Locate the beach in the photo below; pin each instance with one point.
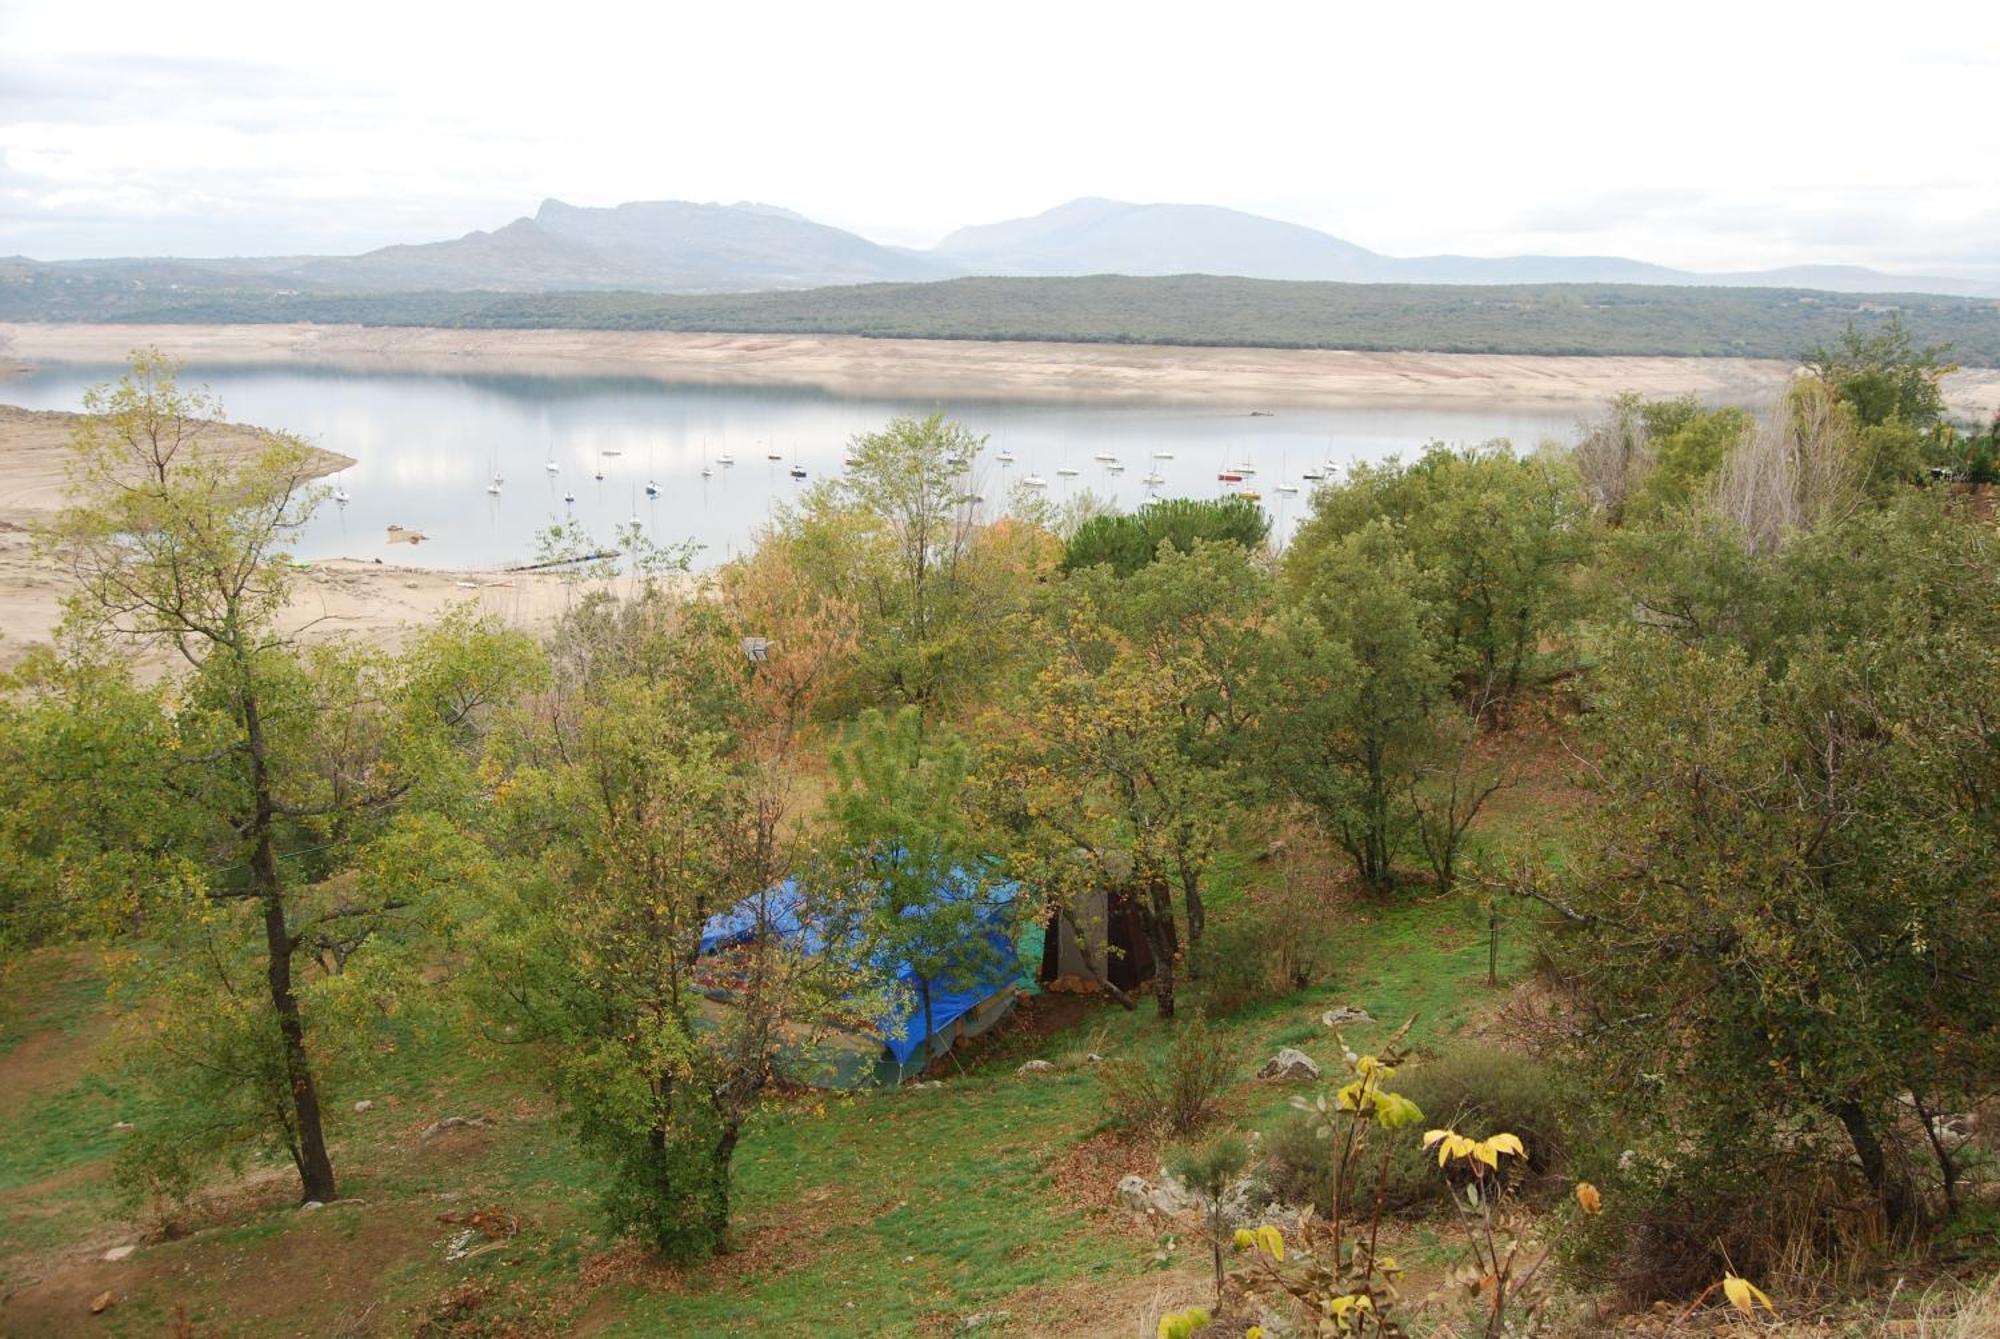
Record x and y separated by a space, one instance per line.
850 365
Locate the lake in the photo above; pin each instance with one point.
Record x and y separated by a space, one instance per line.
426 447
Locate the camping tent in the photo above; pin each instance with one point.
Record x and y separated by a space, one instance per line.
894 1047
1115 936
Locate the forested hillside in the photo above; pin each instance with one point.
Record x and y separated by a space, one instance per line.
1192 310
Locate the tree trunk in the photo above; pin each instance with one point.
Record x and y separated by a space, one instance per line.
315 1166
1158 914
309 1152
1889 1190
1197 918
930 1029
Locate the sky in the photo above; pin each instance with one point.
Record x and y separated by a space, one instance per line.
1712 136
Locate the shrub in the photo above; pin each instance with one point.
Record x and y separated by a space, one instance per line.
1237 965
1279 944
1177 1094
1475 1092
1666 1231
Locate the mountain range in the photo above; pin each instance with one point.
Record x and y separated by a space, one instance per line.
677 246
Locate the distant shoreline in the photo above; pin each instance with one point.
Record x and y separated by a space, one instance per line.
945 370
928 369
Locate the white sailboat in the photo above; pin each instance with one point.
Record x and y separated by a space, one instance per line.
1034 481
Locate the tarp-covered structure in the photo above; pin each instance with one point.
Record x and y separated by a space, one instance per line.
893 1047
1100 938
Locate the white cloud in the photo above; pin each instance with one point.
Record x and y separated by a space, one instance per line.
1719 135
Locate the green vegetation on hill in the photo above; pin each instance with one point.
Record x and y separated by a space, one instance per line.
1190 310
1667 760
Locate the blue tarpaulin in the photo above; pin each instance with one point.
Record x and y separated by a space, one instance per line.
782 911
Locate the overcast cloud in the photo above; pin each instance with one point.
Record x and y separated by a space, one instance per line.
1715 136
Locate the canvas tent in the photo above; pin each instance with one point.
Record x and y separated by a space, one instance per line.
1116 940
894 1047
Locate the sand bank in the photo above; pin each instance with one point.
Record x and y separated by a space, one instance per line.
371 599
942 369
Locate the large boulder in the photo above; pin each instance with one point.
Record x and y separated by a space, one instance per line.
1290 1066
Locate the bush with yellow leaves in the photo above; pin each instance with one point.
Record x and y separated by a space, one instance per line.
1340 1278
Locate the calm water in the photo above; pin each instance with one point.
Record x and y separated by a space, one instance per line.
425 447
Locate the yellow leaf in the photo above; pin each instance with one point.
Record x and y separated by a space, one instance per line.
1273 1242
1744 1295
1245 1238
1254 1332
1509 1143
1589 1198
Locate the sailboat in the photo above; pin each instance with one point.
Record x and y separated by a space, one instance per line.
1285 485
550 464
494 486
1108 457
1163 455
652 489
569 498
340 496
1155 479
1004 456
1034 481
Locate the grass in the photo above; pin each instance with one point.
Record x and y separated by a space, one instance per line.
895 1212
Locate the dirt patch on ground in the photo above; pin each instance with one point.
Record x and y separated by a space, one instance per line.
317 1278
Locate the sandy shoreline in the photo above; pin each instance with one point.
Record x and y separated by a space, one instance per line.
932 369
371 599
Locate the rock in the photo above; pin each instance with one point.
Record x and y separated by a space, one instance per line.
1345 1014
310 1205
1290 1066
99 1302
363 1105
1167 1197
1036 1067
1135 1192
121 1126
117 1253
1093 1059
926 1084
438 1127
979 1320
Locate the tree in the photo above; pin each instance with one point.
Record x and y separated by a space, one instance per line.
1885 376
1777 922
904 845
296 763
634 803
1091 784
1130 540
1493 540
1363 692
912 483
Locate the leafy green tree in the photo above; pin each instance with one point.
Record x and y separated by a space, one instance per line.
1129 540
904 842
300 765
1362 689
1778 918
1885 375
1090 783
1494 540
1688 447
632 805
